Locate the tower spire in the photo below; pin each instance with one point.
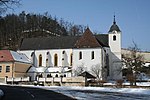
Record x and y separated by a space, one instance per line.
114 26
114 19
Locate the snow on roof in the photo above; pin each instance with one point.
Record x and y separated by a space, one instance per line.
37 69
41 69
53 69
20 57
48 69
57 69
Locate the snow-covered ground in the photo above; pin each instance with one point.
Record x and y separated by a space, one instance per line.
127 83
101 93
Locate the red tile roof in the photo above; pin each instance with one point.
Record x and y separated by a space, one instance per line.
87 40
5 56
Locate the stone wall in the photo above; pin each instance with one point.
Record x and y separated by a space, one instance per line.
63 81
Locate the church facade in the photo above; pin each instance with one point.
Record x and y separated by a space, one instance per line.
68 56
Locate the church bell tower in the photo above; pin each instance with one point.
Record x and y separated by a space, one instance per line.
115 39
114 35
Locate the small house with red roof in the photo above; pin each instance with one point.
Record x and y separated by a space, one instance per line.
13 64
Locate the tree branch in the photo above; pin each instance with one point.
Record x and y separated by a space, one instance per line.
7 4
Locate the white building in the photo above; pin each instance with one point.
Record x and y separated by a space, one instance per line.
55 56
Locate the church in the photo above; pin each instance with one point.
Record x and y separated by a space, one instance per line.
68 56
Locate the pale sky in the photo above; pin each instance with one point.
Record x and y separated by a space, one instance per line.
132 16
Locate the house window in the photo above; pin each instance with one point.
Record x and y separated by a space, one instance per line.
0 69
114 38
92 55
80 55
55 60
7 69
40 60
71 58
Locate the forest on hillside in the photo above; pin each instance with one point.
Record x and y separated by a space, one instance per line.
15 27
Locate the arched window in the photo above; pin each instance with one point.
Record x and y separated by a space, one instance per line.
64 75
114 38
92 55
47 53
40 60
71 58
55 60
49 75
80 55
56 75
47 62
63 52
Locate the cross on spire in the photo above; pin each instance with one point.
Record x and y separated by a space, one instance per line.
114 20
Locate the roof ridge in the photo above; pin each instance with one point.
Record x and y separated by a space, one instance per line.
64 42
87 40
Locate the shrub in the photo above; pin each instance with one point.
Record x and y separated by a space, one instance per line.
119 83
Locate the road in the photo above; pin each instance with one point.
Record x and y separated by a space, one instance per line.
28 93
54 93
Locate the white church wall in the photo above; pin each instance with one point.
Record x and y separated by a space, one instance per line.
115 45
63 59
87 62
115 67
43 54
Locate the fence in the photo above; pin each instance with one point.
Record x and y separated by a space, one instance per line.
17 79
62 79
65 81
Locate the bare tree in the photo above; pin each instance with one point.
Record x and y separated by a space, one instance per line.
98 71
8 4
133 60
79 70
